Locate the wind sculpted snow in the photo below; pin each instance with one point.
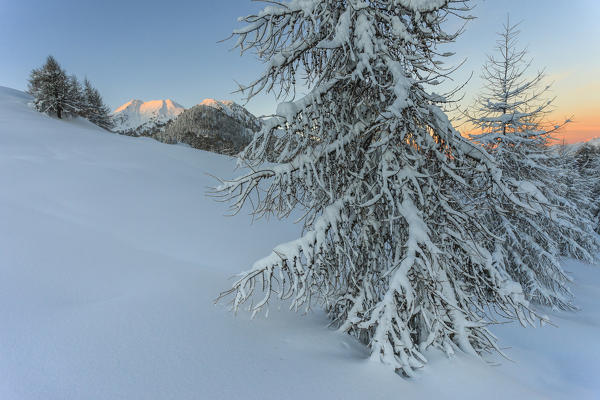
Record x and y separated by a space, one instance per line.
111 256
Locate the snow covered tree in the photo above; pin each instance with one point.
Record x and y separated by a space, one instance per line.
393 245
56 93
51 89
509 117
75 103
572 183
95 110
587 160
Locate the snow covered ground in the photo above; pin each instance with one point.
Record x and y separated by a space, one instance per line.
111 256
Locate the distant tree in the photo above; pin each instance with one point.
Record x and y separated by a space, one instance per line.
394 245
75 103
51 88
587 161
56 93
571 183
94 109
510 118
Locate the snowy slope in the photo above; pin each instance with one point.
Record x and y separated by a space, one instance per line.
111 256
140 115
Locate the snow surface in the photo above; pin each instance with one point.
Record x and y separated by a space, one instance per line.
111 256
137 114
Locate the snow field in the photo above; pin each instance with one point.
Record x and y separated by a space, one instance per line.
111 256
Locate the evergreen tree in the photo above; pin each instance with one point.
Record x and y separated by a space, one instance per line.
587 161
88 90
394 245
509 116
50 88
95 109
571 182
75 103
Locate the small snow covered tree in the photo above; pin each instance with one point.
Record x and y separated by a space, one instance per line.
95 110
509 117
587 160
393 247
51 89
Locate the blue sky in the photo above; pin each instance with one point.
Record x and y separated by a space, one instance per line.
155 49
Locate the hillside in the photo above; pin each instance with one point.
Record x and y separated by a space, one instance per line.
219 126
111 256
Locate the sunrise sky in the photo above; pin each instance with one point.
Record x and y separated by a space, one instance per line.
157 50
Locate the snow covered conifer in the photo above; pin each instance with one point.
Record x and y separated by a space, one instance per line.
509 118
572 183
95 109
587 159
75 103
393 245
50 88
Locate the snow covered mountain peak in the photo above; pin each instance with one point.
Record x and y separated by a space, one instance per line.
215 103
228 107
146 118
232 109
142 115
150 106
133 103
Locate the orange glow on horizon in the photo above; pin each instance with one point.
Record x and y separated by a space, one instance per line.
578 130
576 96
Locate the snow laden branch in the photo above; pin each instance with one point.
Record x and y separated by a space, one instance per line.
396 244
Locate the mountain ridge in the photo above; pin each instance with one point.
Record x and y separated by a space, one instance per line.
135 117
221 126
